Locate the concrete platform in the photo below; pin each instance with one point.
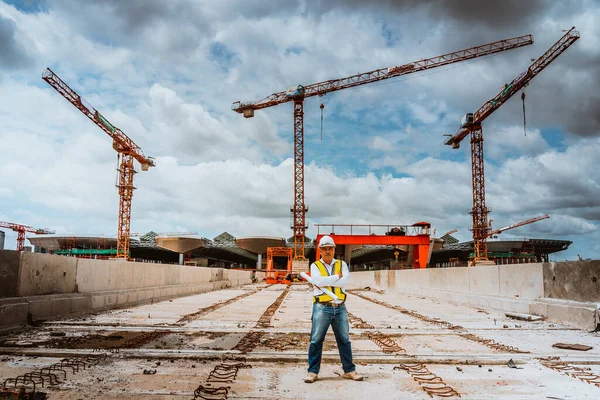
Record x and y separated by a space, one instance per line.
265 329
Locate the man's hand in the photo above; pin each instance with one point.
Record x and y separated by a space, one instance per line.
339 274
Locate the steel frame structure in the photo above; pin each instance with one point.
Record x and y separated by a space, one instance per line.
416 235
127 151
480 212
299 208
278 276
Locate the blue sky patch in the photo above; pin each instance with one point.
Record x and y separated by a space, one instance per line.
29 6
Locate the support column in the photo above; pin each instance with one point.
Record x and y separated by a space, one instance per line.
479 211
299 209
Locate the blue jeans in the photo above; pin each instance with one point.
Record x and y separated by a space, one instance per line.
322 317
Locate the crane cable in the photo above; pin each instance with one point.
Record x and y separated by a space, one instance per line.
322 106
524 120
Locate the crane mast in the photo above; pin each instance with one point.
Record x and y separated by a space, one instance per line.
471 124
21 229
127 151
300 92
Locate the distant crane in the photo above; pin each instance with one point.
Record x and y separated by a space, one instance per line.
518 224
127 151
471 124
299 93
21 229
450 232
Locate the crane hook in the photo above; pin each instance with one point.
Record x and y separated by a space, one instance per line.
524 120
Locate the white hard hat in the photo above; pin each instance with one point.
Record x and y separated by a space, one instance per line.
326 241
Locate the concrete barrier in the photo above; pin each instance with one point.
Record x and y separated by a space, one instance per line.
572 280
9 273
523 280
42 286
566 293
46 274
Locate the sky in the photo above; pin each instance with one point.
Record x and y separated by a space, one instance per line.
167 72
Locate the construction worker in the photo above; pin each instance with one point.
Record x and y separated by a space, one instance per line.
333 275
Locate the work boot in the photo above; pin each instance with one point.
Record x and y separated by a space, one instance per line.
355 376
311 377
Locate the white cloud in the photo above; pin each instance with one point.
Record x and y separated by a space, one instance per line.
381 144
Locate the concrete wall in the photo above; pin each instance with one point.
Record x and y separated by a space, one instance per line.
520 280
41 286
573 280
9 273
563 292
41 274
46 274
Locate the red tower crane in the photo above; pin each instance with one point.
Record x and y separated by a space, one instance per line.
127 151
299 93
21 229
471 124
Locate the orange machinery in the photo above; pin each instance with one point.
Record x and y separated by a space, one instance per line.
416 235
276 258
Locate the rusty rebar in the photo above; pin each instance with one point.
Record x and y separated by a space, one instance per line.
432 384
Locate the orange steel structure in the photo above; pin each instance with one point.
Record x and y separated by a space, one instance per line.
472 125
416 235
126 149
299 93
278 276
21 229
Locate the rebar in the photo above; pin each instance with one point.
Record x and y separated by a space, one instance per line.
432 384
557 364
493 344
469 336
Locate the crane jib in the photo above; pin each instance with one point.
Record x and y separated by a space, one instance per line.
107 124
516 84
321 88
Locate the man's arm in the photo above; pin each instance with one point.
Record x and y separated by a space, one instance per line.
321 280
345 279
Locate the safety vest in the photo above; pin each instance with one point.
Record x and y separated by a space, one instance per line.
323 298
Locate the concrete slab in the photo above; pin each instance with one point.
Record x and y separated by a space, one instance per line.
184 354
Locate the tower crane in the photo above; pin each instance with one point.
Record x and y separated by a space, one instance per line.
299 93
21 229
126 149
450 232
471 124
518 224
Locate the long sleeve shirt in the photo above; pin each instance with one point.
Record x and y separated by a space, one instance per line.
331 280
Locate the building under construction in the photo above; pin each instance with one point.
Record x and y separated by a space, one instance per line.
227 251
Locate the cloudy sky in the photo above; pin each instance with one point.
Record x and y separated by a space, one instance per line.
167 72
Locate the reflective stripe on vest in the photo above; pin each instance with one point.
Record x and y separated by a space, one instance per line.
337 268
